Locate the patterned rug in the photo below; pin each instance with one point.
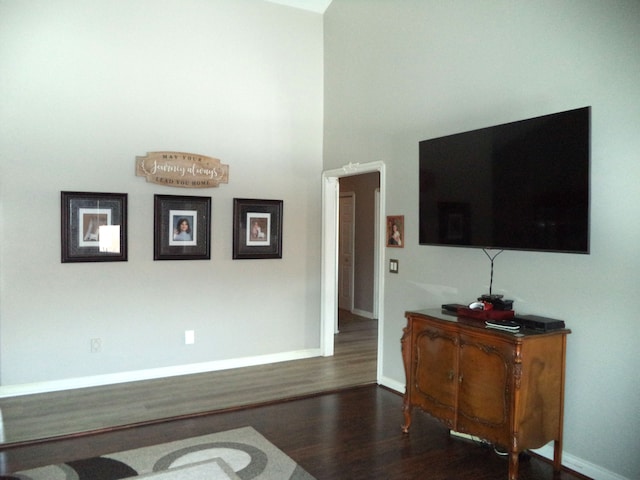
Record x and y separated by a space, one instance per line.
241 454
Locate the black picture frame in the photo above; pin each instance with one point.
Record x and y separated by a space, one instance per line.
93 227
172 243
257 228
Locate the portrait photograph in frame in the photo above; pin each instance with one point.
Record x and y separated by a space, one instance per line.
257 228
182 227
395 231
93 227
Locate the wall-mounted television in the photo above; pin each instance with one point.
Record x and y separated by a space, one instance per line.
517 186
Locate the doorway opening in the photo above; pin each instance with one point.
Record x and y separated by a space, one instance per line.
346 250
330 253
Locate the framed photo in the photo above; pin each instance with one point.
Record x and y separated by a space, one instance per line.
182 227
93 227
257 228
395 231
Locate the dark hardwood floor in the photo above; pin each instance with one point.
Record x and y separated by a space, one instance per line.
351 434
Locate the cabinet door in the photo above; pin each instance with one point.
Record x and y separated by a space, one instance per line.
484 388
436 372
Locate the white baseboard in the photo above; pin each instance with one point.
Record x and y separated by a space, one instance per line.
579 465
572 462
392 384
153 373
363 313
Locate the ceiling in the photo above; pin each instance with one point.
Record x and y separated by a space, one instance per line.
318 6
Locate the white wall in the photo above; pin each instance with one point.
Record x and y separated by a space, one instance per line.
400 72
85 88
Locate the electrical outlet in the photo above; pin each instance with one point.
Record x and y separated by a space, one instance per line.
189 337
96 345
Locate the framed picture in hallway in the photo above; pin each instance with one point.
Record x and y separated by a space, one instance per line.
94 227
182 226
257 228
395 231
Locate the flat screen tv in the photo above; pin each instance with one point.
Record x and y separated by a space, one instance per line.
517 186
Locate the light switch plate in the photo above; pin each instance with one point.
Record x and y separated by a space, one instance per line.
393 265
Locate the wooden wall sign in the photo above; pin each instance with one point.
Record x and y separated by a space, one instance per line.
180 169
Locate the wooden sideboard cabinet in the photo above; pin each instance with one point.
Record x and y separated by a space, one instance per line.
506 388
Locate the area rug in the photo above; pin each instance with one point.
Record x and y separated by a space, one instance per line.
241 454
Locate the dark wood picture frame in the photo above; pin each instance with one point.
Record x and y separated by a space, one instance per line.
395 231
93 227
181 227
257 228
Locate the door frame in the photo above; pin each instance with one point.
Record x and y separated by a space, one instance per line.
351 272
329 254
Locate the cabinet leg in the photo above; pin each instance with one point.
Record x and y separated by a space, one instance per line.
513 465
406 410
557 456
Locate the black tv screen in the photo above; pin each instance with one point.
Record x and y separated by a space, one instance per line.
522 185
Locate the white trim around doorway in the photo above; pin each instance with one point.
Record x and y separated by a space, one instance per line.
329 266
